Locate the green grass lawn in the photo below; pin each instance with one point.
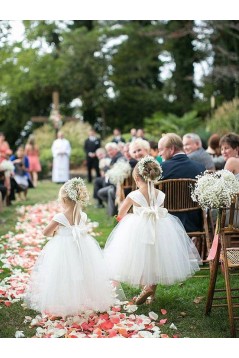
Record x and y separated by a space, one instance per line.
185 303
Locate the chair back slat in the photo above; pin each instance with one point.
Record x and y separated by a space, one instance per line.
178 194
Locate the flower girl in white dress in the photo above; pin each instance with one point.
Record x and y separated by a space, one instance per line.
149 246
70 275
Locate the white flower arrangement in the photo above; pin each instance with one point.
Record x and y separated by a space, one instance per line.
120 171
7 165
77 191
215 190
141 166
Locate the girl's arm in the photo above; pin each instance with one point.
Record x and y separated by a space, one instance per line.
50 228
124 208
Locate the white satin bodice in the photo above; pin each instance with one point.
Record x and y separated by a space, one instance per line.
149 213
140 199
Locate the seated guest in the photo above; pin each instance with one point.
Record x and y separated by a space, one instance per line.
101 184
127 155
176 165
121 147
229 144
104 161
154 151
215 151
192 146
139 148
133 152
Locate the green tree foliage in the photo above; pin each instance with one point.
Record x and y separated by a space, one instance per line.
116 68
83 71
179 38
161 123
223 79
135 74
225 118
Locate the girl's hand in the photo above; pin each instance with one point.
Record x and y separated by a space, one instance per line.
117 218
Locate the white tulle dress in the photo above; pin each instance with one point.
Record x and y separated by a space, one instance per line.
150 246
70 275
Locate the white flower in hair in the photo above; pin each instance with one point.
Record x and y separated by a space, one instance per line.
141 166
77 191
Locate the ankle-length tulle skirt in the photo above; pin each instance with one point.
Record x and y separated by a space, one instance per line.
70 277
143 251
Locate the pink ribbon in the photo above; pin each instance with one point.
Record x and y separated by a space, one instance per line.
213 250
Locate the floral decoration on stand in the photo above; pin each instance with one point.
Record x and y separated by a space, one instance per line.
7 166
215 190
120 171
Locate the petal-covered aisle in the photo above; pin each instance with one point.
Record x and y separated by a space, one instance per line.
19 251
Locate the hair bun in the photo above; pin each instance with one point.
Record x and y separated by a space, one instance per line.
76 190
149 168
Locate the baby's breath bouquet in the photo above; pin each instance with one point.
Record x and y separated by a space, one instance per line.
7 166
215 190
120 171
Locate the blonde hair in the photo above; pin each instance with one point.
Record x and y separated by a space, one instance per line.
74 192
172 140
142 143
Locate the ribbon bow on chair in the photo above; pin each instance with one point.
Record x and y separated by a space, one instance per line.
151 214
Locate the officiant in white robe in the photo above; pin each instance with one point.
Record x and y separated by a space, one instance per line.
61 150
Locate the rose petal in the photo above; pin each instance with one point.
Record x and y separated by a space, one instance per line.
153 315
172 326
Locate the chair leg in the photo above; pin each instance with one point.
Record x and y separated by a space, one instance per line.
229 299
213 279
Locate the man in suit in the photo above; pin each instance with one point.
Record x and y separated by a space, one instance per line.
92 143
192 146
177 165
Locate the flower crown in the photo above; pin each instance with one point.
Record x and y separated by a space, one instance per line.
141 167
77 191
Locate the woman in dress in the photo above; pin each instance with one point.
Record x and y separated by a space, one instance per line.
32 152
215 151
5 150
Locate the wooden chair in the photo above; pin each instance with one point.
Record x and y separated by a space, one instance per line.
178 200
226 254
125 188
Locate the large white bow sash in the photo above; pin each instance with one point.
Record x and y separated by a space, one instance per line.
78 233
151 215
